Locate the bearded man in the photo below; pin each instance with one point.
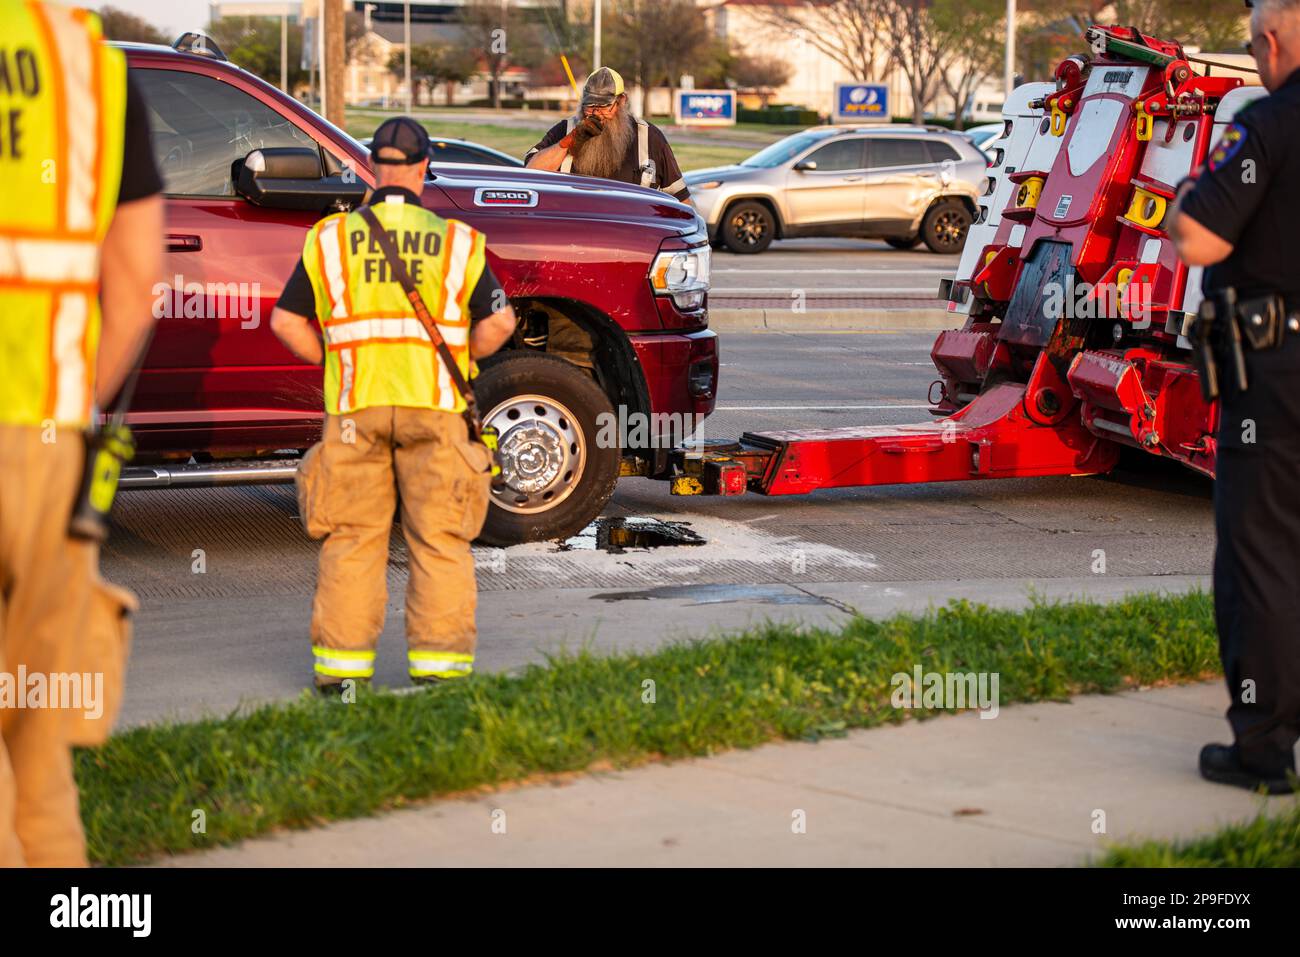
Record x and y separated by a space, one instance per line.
605 140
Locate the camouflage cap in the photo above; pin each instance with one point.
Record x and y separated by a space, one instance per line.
602 88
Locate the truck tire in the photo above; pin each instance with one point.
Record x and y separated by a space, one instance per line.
748 227
902 242
944 226
555 479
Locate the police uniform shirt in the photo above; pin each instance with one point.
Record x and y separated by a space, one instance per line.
667 172
1248 196
298 297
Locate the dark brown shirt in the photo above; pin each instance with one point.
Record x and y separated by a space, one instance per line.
667 175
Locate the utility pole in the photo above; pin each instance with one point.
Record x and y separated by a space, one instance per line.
595 35
406 39
320 50
284 52
1009 76
334 58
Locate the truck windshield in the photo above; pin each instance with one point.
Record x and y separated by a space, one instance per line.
782 151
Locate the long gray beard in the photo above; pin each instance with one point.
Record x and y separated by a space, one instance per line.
603 155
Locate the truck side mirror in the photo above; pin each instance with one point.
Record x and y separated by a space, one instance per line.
291 177
806 166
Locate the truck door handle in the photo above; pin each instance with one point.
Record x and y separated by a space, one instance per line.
183 244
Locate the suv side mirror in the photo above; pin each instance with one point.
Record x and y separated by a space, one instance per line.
291 177
806 166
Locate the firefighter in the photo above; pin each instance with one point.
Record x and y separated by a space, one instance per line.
396 428
604 139
1237 219
80 250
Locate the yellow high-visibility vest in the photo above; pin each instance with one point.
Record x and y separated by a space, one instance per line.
376 350
62 110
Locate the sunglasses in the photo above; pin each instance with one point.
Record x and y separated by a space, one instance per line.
1250 45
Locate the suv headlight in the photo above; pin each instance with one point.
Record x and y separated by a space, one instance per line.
682 274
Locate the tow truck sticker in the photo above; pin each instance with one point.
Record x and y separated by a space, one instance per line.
487 196
1062 206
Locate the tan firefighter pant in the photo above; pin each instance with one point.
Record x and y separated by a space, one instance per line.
349 486
56 620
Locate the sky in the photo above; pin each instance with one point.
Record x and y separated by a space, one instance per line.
173 17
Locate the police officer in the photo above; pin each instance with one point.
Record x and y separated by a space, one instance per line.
1238 219
604 139
395 428
80 251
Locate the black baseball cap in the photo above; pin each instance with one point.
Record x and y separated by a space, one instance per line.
400 133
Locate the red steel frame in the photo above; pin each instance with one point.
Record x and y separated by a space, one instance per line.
1020 399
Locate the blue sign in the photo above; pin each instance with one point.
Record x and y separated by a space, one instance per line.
705 108
862 102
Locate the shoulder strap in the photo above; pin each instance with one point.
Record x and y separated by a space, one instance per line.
643 152
389 248
566 164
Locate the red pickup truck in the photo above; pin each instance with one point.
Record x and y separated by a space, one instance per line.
610 283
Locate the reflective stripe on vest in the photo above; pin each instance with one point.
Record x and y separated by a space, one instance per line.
377 351
66 90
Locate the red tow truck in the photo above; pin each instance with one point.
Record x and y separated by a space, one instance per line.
1078 311
610 283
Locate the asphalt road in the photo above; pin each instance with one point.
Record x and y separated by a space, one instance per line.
225 576
829 273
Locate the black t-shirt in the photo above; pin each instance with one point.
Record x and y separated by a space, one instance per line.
668 175
139 173
299 298
1247 196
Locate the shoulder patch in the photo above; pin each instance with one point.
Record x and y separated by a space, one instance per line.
1233 138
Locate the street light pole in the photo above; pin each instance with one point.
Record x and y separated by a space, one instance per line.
320 51
284 52
406 38
595 31
1009 77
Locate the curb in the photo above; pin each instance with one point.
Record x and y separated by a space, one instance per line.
869 319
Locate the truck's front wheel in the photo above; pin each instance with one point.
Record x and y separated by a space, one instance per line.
555 478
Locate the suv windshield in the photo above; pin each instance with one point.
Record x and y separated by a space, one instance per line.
782 151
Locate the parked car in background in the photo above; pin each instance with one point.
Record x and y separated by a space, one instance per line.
453 152
983 134
902 184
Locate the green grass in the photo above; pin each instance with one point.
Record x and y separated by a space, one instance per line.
310 761
517 141
1269 840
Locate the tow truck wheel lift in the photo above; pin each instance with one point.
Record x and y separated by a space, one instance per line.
1078 308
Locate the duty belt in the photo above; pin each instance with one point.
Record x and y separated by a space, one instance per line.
1226 326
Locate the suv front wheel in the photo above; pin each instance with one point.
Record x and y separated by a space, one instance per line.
554 477
748 227
944 226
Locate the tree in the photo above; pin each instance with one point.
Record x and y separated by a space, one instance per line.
760 75
653 42
914 46
432 64
847 31
500 37
128 28
254 44
971 32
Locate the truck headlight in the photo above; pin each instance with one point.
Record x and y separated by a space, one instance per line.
682 274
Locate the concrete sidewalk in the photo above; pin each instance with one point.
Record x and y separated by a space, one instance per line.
1026 788
926 316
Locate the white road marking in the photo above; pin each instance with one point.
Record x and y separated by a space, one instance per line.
819 408
820 291
835 272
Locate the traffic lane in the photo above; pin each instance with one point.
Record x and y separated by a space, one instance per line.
822 268
225 576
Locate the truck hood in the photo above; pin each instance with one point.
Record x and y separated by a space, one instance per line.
526 192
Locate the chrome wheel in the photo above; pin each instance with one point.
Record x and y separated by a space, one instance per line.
542 452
